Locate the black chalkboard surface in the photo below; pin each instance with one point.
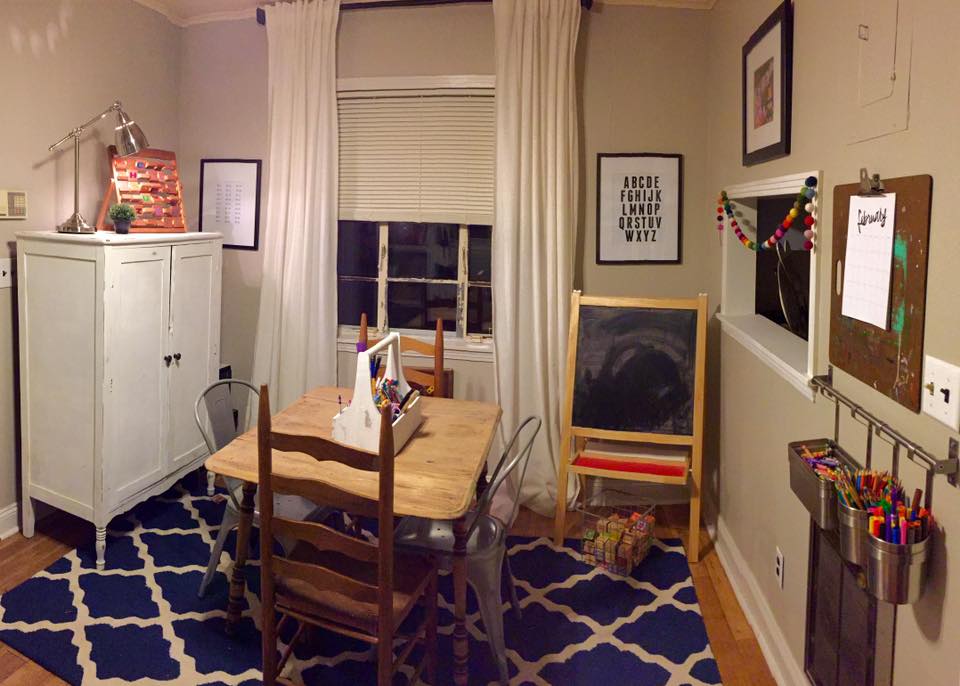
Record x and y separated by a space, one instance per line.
635 369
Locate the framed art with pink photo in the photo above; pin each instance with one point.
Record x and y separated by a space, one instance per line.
767 87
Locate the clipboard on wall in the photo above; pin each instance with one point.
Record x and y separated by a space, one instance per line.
889 360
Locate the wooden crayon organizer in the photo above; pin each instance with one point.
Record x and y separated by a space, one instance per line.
150 183
358 424
616 539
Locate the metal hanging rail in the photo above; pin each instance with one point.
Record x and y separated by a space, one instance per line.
917 454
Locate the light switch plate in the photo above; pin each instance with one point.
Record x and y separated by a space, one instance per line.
6 272
941 391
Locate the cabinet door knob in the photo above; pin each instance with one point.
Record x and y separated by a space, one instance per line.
177 356
168 359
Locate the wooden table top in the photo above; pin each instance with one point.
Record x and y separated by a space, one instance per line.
436 471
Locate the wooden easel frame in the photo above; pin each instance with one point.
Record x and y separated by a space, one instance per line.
574 437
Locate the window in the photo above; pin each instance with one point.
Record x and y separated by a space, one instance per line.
416 207
751 309
421 272
782 283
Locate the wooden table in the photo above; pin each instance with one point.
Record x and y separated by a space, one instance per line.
436 477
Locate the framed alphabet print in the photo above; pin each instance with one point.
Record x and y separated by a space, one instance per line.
639 200
230 201
767 88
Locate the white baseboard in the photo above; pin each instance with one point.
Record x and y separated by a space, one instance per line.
785 669
9 521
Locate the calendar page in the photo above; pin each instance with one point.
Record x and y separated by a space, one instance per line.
867 264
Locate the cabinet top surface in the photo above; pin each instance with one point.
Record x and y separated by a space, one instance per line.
111 238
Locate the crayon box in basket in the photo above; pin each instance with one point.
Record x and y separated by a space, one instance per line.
616 539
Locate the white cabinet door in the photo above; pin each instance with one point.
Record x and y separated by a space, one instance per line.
194 342
136 316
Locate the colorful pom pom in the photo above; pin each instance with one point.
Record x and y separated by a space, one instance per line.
778 233
808 220
793 212
810 193
808 245
808 233
808 208
811 181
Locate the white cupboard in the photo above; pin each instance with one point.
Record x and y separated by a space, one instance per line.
118 335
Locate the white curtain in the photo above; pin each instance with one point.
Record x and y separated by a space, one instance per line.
536 212
297 327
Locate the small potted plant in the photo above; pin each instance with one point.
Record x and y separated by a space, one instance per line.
122 216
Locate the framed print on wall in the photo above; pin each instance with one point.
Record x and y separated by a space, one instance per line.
230 201
639 200
767 88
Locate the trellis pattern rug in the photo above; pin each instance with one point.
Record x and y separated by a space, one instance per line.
140 619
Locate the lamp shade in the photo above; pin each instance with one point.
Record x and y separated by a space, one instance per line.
129 138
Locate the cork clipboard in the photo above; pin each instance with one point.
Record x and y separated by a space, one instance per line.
890 360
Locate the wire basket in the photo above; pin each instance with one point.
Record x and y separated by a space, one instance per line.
616 539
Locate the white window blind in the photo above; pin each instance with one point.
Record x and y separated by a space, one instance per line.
417 156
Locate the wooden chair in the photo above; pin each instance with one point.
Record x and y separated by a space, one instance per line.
426 379
332 580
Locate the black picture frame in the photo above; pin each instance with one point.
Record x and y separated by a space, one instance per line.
256 214
781 19
678 258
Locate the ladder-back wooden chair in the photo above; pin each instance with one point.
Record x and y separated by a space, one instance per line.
419 377
329 579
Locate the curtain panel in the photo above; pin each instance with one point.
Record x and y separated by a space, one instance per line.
536 213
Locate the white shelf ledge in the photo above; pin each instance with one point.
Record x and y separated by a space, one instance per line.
776 347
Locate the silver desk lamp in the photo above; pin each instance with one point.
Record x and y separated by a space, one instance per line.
130 140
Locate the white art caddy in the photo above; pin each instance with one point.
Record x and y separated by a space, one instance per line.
358 424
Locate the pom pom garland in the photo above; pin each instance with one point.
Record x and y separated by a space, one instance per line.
801 204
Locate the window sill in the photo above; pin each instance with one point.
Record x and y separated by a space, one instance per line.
469 349
776 347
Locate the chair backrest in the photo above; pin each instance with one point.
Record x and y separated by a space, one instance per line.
221 405
515 454
434 350
321 537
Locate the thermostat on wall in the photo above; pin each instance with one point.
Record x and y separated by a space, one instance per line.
13 204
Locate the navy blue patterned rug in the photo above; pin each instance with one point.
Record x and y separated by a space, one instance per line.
140 619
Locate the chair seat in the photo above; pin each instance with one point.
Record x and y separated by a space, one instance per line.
436 535
411 576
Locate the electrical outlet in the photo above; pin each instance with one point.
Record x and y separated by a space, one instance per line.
941 391
6 272
778 570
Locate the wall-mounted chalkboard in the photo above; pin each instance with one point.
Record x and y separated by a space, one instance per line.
635 369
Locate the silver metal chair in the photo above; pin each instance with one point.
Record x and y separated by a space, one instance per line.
221 403
486 542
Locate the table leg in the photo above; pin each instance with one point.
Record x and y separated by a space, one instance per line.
460 645
237 579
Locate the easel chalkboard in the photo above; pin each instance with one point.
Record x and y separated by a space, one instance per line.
635 374
889 360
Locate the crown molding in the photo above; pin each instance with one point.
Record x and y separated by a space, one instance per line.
162 7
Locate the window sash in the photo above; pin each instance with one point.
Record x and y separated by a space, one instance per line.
383 281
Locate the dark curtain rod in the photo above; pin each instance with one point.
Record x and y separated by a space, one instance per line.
262 16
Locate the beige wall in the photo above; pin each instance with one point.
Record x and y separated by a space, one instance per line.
223 114
64 62
762 413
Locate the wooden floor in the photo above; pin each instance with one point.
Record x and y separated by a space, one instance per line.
733 642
